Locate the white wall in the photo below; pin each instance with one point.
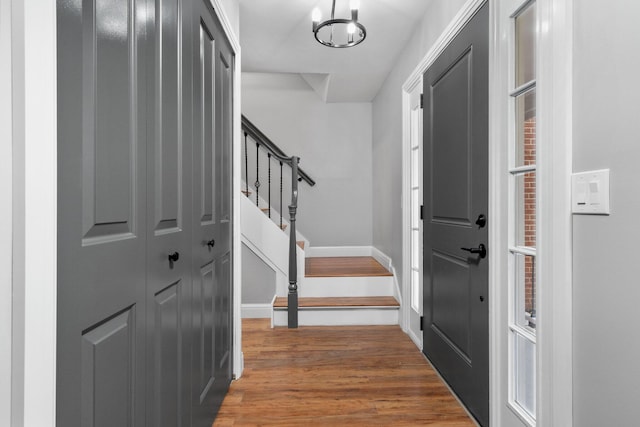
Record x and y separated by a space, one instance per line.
387 136
334 143
606 282
6 259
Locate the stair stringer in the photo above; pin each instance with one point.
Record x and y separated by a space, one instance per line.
262 203
269 243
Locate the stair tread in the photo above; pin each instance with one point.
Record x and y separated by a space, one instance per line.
246 193
361 266
317 302
265 209
301 244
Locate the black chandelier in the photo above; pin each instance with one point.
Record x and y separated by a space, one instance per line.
339 32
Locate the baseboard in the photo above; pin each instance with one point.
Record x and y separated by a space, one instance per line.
256 311
387 263
417 341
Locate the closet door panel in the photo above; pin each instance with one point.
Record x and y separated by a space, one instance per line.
169 216
101 212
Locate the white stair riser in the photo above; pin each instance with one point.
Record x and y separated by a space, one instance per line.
340 317
346 286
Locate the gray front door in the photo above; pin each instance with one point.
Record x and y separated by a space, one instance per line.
211 359
456 320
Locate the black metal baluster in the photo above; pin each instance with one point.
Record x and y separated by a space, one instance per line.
246 166
281 195
269 161
257 183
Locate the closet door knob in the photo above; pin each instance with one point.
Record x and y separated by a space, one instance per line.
211 243
174 257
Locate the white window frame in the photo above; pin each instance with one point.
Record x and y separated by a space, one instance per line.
554 259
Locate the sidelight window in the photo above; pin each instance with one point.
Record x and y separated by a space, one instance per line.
523 197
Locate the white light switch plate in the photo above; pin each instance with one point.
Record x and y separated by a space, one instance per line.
590 192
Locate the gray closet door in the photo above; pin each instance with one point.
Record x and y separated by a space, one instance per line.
456 333
169 223
102 227
211 358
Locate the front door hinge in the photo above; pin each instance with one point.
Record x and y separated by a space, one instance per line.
422 323
421 211
422 100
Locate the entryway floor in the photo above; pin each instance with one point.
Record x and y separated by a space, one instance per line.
336 376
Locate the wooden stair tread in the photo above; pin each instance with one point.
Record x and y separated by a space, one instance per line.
246 193
301 244
328 302
265 209
362 266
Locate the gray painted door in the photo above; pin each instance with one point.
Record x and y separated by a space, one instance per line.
139 182
211 358
168 195
456 321
102 214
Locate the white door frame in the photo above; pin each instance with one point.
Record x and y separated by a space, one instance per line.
6 214
554 257
34 210
554 92
32 193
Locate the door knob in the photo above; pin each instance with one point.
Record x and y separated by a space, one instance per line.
481 221
211 243
480 250
174 257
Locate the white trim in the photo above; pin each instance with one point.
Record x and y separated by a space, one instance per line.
257 311
331 251
387 263
238 358
6 214
498 235
463 16
555 136
35 185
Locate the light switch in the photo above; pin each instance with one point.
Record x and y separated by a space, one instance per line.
590 192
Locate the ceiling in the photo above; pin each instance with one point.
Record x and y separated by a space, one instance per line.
276 37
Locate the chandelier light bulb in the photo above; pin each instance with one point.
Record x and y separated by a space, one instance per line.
355 4
316 15
351 28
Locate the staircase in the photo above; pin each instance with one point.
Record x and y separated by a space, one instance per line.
335 291
332 289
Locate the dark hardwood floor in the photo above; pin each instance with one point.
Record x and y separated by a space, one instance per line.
336 376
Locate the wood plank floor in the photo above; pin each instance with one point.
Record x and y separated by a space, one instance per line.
336 376
357 266
282 302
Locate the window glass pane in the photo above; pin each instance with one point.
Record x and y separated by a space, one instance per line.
526 46
526 129
525 367
415 167
525 215
525 280
415 290
415 208
415 249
